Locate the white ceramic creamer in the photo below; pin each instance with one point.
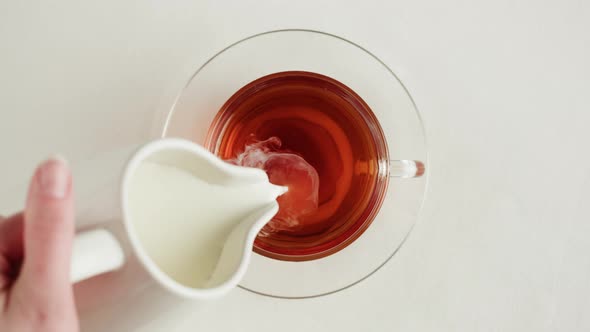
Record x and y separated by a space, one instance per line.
190 218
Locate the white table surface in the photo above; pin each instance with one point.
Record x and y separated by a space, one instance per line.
503 243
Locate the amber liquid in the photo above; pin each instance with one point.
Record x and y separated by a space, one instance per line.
332 129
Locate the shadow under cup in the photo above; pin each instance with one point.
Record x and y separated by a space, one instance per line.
335 131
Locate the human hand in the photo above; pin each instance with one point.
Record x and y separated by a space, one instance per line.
35 249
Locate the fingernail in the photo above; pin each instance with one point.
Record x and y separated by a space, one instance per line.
54 177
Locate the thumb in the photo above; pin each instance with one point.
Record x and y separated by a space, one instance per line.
49 228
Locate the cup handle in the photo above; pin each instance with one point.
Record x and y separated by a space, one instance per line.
95 252
406 168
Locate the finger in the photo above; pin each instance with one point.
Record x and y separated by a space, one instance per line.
49 226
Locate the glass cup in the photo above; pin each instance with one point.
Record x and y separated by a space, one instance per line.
376 241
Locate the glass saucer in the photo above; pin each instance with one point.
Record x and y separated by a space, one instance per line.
305 50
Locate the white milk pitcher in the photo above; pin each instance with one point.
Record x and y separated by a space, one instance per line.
190 218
